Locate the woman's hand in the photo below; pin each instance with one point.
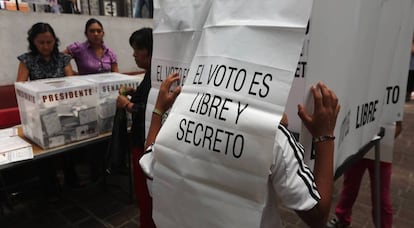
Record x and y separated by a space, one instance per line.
326 108
126 91
122 101
166 98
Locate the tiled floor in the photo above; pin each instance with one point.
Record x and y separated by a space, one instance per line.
105 203
96 205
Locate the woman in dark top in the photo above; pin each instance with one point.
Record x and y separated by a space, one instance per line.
44 59
141 42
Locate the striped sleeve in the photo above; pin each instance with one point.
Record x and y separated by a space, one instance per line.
147 162
292 179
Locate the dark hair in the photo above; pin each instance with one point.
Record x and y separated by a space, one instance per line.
142 39
37 29
92 21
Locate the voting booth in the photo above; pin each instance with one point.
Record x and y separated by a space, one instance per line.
55 112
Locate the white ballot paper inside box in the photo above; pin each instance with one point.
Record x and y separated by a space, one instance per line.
214 152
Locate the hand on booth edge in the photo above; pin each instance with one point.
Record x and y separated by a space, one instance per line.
326 109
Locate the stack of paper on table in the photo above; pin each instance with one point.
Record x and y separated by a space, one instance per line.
6 132
14 148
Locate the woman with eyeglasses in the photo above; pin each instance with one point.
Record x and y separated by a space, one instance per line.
93 56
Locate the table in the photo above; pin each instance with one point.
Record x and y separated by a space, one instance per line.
39 153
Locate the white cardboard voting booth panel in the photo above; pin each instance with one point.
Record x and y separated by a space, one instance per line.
108 85
234 95
360 49
353 35
400 32
54 112
176 33
297 91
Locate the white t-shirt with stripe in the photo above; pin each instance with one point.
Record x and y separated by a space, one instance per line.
290 180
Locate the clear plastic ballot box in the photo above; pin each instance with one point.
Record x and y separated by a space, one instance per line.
55 112
108 85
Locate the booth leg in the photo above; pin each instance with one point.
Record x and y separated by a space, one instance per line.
377 185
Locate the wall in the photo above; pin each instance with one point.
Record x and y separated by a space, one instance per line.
69 28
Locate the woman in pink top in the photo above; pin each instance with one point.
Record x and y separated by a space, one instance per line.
92 56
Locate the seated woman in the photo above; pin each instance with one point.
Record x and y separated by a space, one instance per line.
44 59
93 56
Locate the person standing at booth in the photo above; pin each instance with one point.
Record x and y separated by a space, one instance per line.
141 41
93 56
350 188
286 179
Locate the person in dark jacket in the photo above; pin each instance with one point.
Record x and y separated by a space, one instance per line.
141 42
